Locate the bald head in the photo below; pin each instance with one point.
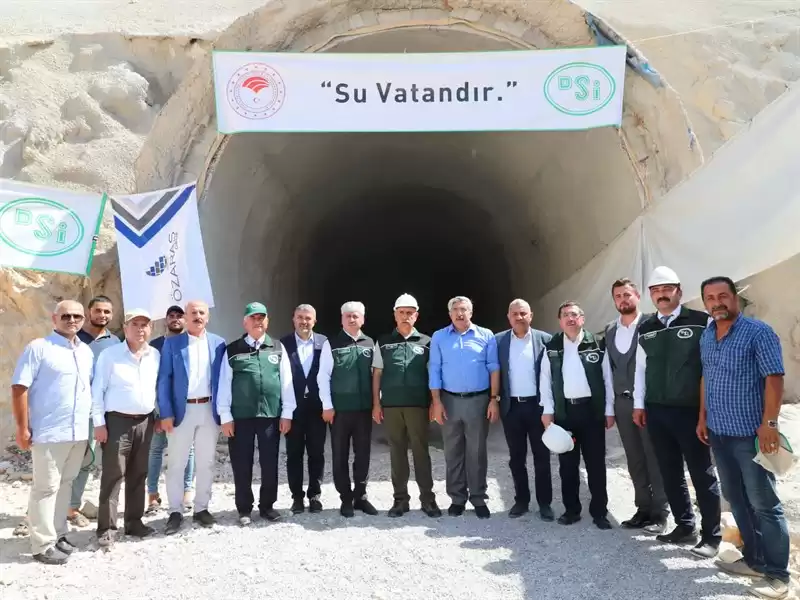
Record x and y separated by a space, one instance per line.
197 315
68 318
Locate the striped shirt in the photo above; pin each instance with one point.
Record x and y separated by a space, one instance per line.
734 370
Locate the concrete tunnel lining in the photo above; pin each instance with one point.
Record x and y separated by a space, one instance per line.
326 218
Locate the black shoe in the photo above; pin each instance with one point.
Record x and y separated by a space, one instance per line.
298 506
706 548
63 545
518 510
568 518
455 510
431 509
399 508
138 529
680 535
365 506
270 514
205 518
546 513
314 506
173 523
347 509
657 525
482 512
638 521
602 523
51 556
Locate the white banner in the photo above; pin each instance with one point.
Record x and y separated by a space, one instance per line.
47 229
161 256
520 90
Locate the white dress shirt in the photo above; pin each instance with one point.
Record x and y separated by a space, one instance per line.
225 395
199 367
639 385
124 383
305 353
521 365
325 371
624 334
575 383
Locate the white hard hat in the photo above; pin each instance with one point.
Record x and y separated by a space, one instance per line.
406 300
663 276
557 439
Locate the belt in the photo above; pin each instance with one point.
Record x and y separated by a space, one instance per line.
583 400
466 394
198 400
524 399
129 416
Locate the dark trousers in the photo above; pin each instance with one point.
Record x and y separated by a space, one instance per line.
353 426
307 435
242 448
640 455
589 432
125 456
751 491
522 425
673 432
408 425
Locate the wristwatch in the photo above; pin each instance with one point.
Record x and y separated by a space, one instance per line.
772 424
495 398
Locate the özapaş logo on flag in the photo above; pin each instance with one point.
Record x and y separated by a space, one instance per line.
161 256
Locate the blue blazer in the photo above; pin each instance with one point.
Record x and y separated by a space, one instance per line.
173 375
540 338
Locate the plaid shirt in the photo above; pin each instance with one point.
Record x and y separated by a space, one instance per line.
734 369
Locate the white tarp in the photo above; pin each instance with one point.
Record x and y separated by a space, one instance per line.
736 216
522 90
161 257
46 229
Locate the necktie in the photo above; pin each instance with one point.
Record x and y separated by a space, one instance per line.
665 319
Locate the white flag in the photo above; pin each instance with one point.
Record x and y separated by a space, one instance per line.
161 256
47 229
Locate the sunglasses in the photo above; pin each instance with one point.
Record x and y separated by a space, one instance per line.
70 317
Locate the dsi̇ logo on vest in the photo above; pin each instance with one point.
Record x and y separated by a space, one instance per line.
579 88
273 358
685 333
418 349
593 357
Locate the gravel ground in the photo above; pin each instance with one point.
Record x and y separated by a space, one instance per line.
327 556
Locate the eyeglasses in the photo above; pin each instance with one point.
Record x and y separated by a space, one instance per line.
70 317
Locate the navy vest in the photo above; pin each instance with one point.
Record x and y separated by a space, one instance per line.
299 379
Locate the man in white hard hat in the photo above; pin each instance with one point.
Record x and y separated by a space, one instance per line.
577 392
666 398
401 400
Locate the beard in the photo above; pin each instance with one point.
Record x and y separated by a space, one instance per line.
626 310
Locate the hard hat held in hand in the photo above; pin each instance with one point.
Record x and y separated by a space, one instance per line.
557 439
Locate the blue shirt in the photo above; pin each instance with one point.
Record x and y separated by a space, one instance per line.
734 370
462 362
58 377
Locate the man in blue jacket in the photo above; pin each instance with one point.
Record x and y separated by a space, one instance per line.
520 350
188 381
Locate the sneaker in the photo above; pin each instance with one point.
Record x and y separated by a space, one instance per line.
399 508
51 556
314 506
270 514
365 506
204 518
105 539
245 520
518 510
431 509
138 529
682 534
769 587
482 512
64 546
173 523
298 506
738 567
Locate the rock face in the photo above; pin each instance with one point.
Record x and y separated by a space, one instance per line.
75 109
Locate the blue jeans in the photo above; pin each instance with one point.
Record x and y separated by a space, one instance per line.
750 489
157 447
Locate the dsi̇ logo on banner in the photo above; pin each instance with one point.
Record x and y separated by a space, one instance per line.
40 227
579 88
256 91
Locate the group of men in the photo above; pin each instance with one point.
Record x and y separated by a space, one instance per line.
678 384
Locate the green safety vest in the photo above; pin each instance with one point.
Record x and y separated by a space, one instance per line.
404 380
256 386
591 353
351 379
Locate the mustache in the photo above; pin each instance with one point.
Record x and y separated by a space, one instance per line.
663 299
719 307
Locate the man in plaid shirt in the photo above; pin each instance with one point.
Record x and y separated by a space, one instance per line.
740 400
